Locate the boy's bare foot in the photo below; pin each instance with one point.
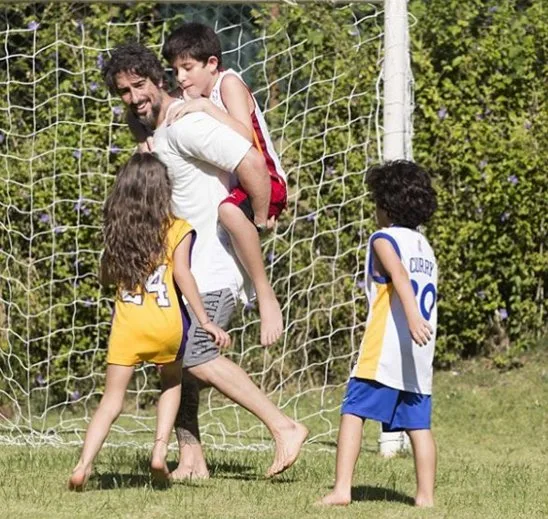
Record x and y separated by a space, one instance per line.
422 502
288 447
334 499
79 477
158 465
272 324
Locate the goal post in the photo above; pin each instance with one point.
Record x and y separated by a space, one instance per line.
334 81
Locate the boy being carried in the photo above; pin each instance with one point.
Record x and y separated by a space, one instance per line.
194 52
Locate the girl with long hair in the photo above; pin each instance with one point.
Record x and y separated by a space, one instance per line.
146 256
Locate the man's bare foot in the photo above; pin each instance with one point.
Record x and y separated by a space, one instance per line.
335 499
288 447
192 464
272 324
186 473
158 465
79 477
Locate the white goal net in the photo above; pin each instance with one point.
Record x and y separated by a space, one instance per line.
316 69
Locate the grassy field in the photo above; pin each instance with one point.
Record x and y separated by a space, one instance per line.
492 434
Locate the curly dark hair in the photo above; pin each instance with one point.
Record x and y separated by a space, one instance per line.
194 40
404 191
132 57
137 217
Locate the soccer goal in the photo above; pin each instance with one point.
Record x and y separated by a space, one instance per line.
335 85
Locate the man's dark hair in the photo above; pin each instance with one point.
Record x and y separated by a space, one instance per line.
194 40
404 190
135 58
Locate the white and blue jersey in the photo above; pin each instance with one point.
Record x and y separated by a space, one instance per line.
388 353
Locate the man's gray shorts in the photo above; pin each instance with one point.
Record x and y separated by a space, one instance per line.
200 348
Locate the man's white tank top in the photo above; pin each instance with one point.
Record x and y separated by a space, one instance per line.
387 352
261 137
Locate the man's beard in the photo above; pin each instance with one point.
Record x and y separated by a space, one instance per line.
150 120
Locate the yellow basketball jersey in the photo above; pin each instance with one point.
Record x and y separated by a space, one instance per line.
150 324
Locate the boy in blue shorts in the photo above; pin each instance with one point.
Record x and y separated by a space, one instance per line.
391 381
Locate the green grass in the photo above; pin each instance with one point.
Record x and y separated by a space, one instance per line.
491 430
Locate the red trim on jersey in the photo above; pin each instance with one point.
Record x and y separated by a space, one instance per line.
258 136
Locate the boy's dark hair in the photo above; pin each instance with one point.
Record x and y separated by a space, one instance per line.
194 40
132 57
404 190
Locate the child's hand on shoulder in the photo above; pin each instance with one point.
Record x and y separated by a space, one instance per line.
222 339
420 329
200 104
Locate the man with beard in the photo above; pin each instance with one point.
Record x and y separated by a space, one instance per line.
204 159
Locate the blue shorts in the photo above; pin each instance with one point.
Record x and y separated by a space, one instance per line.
397 410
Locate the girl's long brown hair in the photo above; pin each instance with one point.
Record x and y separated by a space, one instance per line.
137 217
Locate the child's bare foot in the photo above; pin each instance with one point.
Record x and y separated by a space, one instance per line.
422 502
158 465
272 324
335 499
79 477
288 448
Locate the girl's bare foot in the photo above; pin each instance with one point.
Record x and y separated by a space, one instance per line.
79 477
158 465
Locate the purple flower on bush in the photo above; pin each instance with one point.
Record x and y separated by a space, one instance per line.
479 210
504 216
492 9
87 302
361 284
250 305
44 217
311 217
114 149
100 61
40 380
271 257
481 294
117 110
32 26
75 395
59 230
513 179
330 171
442 113
93 86
483 164
76 154
1 137
503 313
527 125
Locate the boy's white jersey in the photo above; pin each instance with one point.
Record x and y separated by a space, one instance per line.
388 353
261 137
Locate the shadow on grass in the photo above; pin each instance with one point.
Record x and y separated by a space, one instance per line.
115 480
368 493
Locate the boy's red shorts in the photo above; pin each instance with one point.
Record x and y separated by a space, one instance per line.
278 199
